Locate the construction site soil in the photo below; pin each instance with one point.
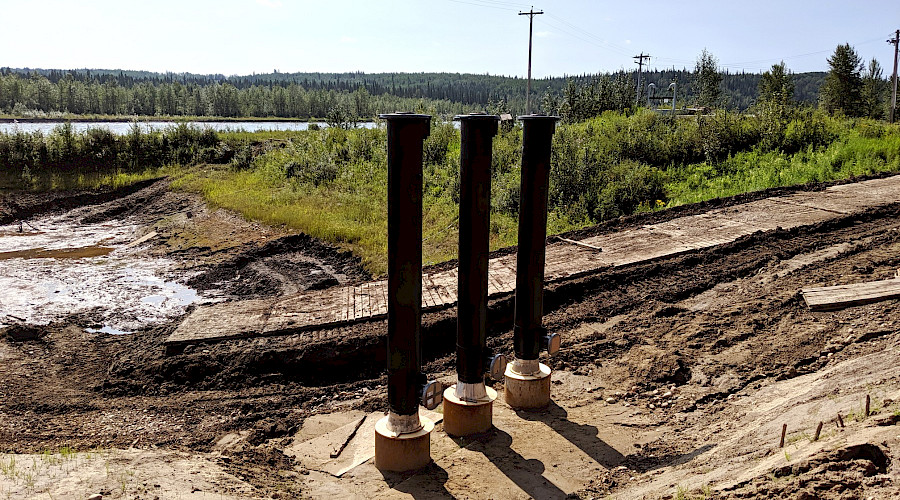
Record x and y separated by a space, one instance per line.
673 356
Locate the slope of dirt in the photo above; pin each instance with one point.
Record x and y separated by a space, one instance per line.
674 378
24 205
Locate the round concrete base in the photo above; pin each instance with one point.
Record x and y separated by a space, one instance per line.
464 418
525 392
403 452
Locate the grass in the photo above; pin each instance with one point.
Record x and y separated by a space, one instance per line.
65 182
354 219
331 183
702 493
753 171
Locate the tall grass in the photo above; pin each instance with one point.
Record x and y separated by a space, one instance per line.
332 183
847 157
64 158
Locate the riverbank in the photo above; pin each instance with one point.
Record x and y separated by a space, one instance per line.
64 117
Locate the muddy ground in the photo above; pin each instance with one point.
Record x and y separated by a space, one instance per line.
669 362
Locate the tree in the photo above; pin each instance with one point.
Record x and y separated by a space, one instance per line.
776 86
874 88
708 80
842 90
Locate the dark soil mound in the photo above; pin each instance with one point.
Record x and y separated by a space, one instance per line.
286 265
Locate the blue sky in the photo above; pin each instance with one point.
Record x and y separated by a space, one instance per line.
476 36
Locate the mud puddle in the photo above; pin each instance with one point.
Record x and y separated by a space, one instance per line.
58 268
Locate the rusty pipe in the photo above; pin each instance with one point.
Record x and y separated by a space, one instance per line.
407 385
529 336
477 131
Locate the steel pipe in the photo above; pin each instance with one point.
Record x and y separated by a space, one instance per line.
407 385
477 131
529 336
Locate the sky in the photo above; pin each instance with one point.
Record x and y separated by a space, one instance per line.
239 37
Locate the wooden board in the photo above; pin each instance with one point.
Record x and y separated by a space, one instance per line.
829 298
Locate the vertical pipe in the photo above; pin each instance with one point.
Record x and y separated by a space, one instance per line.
477 131
528 331
406 133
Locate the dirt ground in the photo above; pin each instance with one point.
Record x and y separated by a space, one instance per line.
674 379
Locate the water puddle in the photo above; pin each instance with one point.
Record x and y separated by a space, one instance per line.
61 268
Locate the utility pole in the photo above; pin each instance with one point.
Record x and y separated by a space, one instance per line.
530 15
640 62
896 43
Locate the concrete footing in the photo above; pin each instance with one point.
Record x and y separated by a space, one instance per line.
527 391
465 418
402 452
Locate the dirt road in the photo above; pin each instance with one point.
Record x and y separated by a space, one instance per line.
674 380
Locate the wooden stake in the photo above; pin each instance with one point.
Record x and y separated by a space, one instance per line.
783 433
579 243
818 431
868 400
840 421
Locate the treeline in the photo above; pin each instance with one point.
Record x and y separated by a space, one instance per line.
24 96
315 95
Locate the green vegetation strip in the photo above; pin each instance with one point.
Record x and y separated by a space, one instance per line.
331 183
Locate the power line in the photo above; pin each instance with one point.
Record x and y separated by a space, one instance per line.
589 34
589 37
481 5
601 43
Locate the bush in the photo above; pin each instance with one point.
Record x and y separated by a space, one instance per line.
437 144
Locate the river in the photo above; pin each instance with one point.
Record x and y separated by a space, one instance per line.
121 128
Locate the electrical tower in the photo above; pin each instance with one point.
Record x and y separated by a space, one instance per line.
530 15
639 60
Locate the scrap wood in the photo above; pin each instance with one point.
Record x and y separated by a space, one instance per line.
579 243
337 452
828 298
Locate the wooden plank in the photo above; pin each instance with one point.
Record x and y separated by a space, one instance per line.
229 320
829 298
357 302
378 298
362 309
429 298
445 287
499 278
493 284
348 312
367 295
